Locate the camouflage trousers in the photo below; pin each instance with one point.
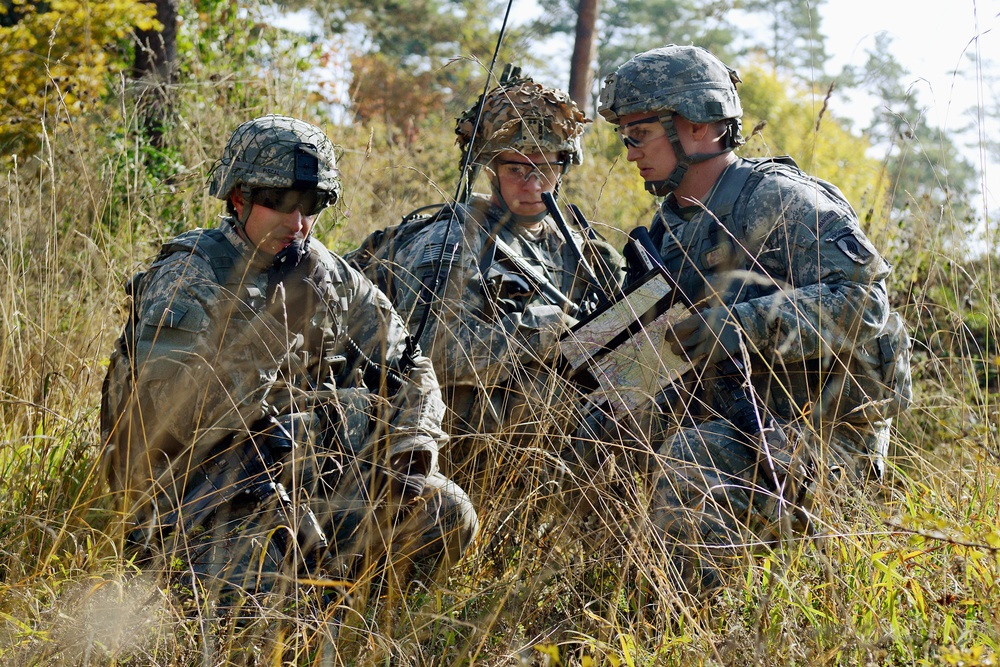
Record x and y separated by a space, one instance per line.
718 494
256 548
711 493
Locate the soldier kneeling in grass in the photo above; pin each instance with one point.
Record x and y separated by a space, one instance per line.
797 364
265 423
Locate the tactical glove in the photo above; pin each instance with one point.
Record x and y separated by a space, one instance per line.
407 488
713 333
541 328
293 294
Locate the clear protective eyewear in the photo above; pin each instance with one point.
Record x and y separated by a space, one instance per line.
546 172
286 200
639 133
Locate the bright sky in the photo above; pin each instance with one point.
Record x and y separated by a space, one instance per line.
932 39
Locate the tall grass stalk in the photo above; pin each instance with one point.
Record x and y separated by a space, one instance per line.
902 574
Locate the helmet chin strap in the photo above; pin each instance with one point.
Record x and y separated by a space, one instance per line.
241 222
684 161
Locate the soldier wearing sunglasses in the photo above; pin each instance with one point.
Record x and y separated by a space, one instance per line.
261 421
800 363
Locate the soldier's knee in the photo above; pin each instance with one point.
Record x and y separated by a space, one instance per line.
452 516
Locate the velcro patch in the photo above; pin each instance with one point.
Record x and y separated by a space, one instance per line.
856 246
433 250
713 257
828 218
173 316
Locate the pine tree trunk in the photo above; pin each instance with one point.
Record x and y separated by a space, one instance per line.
580 73
154 68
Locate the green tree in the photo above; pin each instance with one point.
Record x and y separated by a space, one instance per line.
989 112
627 27
796 46
922 162
784 119
55 61
419 58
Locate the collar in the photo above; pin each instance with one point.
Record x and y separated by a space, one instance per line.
242 244
500 218
688 213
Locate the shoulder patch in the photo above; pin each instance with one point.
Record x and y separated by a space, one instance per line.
433 250
855 245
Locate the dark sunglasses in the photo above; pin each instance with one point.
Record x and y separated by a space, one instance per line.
285 200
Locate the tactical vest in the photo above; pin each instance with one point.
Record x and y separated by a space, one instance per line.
875 383
376 258
711 241
119 381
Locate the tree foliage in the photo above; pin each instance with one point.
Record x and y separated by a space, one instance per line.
627 27
794 43
924 164
55 58
415 59
791 120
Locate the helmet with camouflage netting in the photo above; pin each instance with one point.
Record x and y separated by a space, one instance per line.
521 115
687 80
277 152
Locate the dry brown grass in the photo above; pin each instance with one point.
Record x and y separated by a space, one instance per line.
904 574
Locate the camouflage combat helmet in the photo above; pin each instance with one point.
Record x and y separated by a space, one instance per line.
521 115
524 116
685 80
277 152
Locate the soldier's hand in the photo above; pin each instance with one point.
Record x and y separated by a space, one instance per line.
712 333
293 295
407 480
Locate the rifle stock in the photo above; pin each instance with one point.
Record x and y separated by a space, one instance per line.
536 278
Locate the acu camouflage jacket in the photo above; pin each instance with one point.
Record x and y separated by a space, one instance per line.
786 254
207 361
488 323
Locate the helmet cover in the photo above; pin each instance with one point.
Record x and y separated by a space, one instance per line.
277 152
524 116
687 80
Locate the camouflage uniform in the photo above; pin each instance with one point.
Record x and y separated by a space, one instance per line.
491 337
782 257
491 341
207 365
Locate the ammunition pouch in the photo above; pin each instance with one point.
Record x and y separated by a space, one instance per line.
878 385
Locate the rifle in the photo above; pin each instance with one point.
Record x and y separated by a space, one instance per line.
582 222
536 279
550 204
642 256
243 469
